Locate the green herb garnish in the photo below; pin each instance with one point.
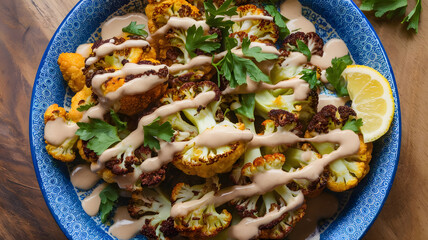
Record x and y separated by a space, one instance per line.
155 131
310 76
109 197
354 125
334 73
85 107
248 103
99 134
135 29
195 39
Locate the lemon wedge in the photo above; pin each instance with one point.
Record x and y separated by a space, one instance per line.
372 100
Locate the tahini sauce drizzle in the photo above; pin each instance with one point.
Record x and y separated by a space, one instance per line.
292 9
124 226
110 47
113 27
91 204
58 130
82 177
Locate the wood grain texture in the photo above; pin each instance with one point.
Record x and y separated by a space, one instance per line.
26 27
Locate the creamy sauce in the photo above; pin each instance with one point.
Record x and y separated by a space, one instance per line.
113 27
324 100
322 207
84 49
176 22
249 227
292 9
335 48
82 177
300 87
124 226
91 204
58 131
110 47
211 138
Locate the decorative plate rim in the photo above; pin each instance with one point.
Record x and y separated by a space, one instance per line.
55 35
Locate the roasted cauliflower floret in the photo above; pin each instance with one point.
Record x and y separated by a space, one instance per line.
291 63
154 207
83 97
71 66
344 173
304 110
132 104
200 160
259 205
311 39
298 158
65 151
205 221
257 30
159 13
128 161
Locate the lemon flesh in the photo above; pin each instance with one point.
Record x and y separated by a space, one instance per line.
372 100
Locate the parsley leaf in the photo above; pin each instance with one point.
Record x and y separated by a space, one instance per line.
394 8
109 197
279 20
135 29
334 73
85 107
195 39
303 48
155 131
117 122
248 103
413 17
212 14
235 69
354 125
310 76
256 52
99 134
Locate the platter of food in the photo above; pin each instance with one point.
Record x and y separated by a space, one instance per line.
215 119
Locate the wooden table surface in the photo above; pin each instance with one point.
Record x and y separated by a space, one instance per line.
26 28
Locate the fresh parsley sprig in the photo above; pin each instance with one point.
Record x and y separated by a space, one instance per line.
85 107
121 125
413 17
279 20
155 131
109 197
353 124
334 73
99 134
235 69
256 52
394 8
248 102
302 48
195 39
310 76
135 29
215 16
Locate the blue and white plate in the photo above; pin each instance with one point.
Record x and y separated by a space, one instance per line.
332 18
